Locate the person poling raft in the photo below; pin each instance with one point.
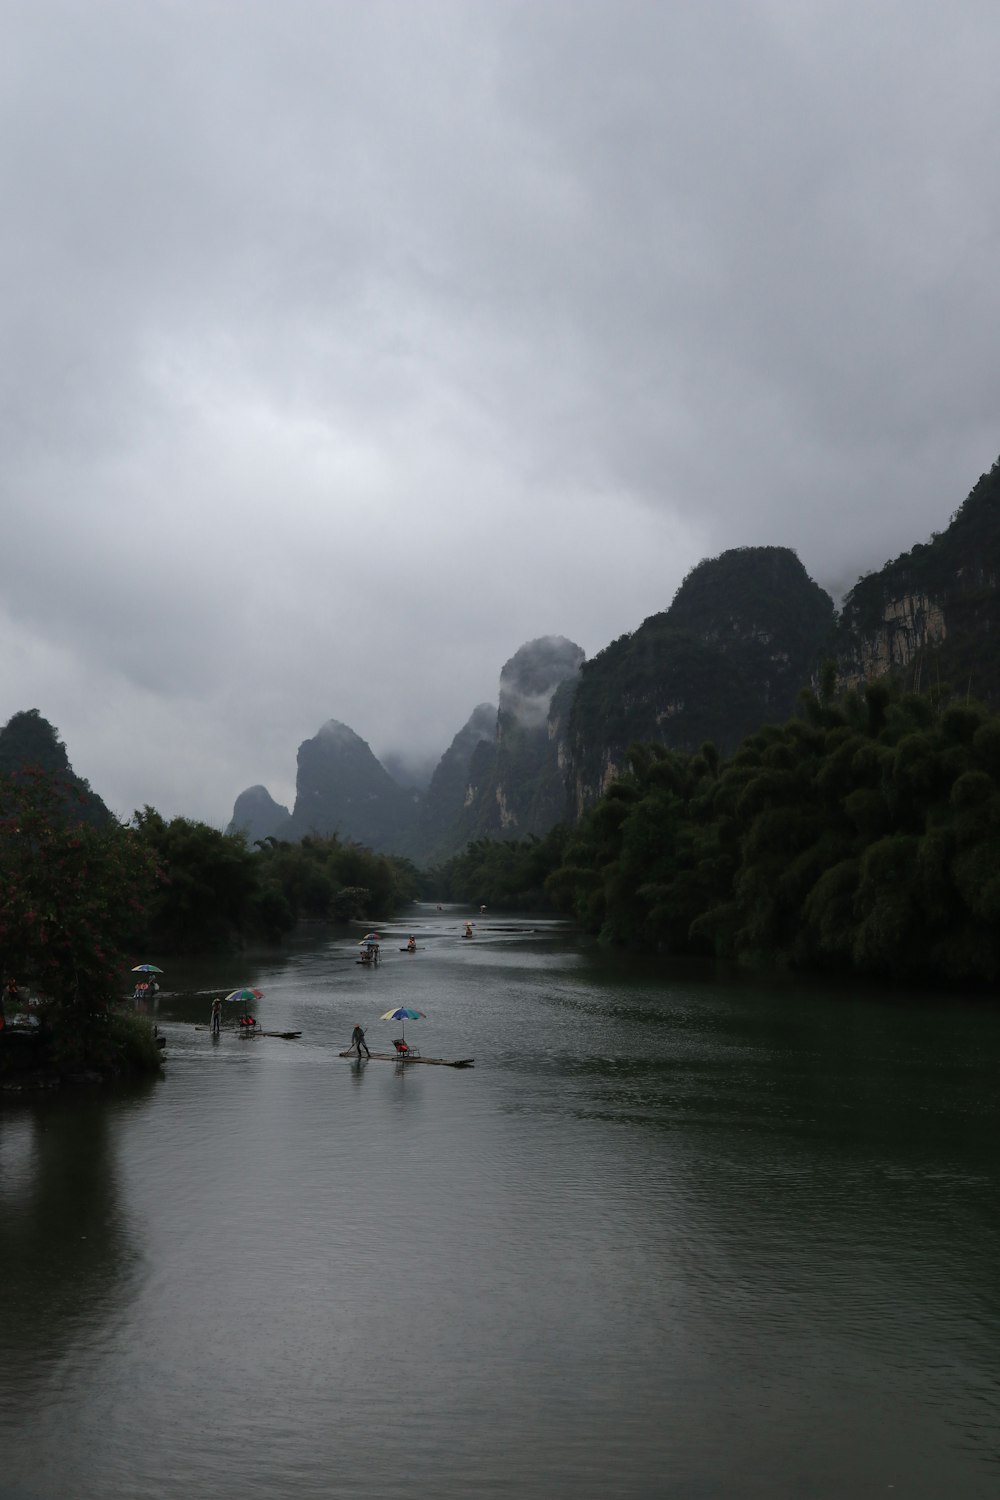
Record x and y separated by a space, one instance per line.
403 1051
358 1041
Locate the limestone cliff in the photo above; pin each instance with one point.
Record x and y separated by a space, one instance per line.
521 791
341 788
930 616
443 810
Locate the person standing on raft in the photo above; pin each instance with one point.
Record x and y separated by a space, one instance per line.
358 1040
411 946
217 1015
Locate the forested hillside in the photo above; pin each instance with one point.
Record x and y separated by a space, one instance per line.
743 635
863 837
29 742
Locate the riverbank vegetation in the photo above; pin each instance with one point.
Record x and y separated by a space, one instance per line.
213 891
503 875
862 837
79 899
71 893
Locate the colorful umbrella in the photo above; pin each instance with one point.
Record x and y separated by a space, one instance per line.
246 995
404 1014
146 969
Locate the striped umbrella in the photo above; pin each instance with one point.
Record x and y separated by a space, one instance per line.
404 1014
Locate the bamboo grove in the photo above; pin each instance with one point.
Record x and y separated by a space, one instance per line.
861 837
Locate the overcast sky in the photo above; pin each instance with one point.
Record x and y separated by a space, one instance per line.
348 346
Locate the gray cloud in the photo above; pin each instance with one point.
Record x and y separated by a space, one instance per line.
349 347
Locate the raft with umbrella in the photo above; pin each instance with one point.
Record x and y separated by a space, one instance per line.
247 1023
404 1053
145 985
370 943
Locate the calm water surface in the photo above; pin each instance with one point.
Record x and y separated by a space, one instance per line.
672 1236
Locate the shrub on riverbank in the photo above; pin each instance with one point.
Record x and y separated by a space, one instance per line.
64 1047
111 1044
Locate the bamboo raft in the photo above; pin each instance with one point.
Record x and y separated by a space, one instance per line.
284 1036
408 1057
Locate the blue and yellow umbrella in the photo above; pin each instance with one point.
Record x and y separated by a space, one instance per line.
403 1014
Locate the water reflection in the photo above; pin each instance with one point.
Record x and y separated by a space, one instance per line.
67 1245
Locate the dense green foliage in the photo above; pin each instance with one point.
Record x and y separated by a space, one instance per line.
656 684
214 891
206 889
323 877
72 893
862 837
503 875
750 596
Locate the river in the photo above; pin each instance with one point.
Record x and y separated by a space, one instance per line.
674 1235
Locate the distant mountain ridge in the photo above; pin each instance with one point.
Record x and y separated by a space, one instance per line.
340 788
258 816
744 634
499 777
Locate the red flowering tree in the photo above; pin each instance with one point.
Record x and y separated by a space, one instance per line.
71 894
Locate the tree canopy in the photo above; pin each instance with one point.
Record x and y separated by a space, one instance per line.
508 875
71 894
214 891
862 836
